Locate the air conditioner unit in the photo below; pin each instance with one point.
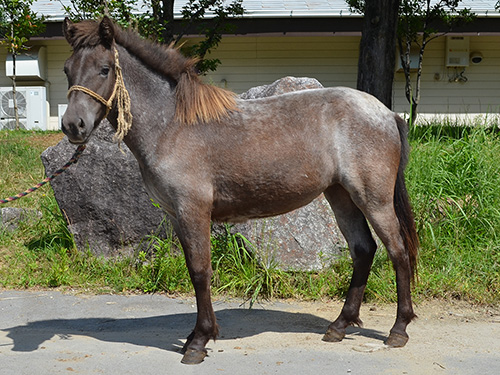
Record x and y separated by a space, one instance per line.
30 65
31 104
457 51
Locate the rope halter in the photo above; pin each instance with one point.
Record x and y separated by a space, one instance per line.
122 97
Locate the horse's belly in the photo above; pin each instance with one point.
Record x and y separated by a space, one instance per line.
257 207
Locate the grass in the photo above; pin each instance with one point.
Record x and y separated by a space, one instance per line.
453 180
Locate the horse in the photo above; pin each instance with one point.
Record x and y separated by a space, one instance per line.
205 155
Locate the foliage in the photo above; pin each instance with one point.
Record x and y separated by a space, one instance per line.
155 20
18 24
236 269
124 12
454 182
194 12
420 22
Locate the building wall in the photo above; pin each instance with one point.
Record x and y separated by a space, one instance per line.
257 60
479 95
57 53
56 85
252 61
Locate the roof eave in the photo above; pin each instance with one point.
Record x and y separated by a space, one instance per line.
327 13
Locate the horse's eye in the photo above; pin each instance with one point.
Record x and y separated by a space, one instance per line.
105 71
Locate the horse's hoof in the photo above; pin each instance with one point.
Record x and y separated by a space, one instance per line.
396 340
333 335
193 356
185 347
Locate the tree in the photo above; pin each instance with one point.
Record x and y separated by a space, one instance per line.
156 21
17 25
377 50
419 22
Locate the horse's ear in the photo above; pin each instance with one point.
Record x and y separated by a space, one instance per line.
68 30
107 32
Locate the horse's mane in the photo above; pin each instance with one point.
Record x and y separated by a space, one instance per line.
196 101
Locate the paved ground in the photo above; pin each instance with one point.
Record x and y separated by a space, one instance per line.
47 332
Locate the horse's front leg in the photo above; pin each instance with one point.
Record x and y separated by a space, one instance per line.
193 230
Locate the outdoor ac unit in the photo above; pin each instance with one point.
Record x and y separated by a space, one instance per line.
31 104
457 51
30 65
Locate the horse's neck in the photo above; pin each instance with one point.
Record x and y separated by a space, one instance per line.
152 106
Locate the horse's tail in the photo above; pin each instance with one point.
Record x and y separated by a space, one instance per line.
402 201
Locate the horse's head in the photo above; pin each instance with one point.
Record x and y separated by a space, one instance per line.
91 76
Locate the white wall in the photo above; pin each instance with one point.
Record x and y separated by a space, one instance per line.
252 61
480 94
257 60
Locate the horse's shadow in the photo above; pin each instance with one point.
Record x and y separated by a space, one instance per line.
168 331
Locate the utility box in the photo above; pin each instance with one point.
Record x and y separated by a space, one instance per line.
32 107
30 65
457 51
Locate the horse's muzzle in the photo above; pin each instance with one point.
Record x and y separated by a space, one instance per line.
76 131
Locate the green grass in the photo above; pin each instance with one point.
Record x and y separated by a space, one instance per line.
454 183
453 180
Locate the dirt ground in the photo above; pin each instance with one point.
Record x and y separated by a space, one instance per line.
448 337
50 332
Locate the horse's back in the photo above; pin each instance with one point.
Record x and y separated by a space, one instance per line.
331 107
340 122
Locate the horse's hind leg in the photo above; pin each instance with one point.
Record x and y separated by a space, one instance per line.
354 227
387 226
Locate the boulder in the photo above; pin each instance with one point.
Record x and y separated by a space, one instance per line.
282 86
307 238
11 217
103 196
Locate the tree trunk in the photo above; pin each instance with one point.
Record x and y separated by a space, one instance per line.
167 20
377 50
14 91
14 87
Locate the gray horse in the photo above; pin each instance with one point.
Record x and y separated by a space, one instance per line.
205 155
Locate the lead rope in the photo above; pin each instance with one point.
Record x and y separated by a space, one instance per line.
73 160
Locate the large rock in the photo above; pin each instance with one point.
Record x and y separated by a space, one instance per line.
282 86
11 217
103 196
304 239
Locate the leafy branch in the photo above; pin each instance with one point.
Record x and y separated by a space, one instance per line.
155 19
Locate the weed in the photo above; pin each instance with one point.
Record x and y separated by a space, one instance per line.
164 268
